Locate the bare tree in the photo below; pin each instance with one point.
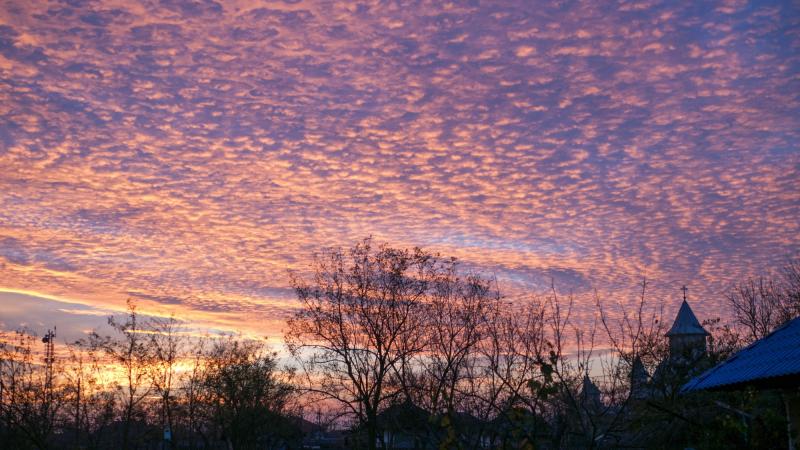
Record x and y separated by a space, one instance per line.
577 405
757 306
516 379
456 316
166 347
91 404
245 395
637 350
790 277
356 324
29 402
195 411
762 304
119 390
131 353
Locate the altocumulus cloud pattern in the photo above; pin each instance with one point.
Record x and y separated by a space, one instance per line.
185 154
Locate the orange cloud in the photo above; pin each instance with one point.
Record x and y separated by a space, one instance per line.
187 155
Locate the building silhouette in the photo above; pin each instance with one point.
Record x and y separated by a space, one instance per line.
687 338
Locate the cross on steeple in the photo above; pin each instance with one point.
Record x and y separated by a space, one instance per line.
686 336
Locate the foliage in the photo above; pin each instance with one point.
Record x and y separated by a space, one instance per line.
246 400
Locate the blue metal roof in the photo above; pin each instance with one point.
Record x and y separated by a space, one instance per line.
776 355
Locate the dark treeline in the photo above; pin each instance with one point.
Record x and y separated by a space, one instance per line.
147 386
397 348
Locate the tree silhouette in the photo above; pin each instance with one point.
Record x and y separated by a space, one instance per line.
358 324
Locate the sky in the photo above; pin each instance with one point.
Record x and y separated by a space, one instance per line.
188 155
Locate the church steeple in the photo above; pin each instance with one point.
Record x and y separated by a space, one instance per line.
686 336
639 379
590 394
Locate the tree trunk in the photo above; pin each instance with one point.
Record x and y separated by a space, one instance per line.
372 431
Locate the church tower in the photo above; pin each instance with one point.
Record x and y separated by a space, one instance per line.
590 394
639 380
687 338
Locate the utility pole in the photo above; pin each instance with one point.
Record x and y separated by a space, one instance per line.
78 407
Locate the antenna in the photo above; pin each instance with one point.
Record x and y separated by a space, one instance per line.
49 340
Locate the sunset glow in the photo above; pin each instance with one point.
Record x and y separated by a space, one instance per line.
189 155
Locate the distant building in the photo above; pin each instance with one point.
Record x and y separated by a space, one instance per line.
772 362
687 353
639 380
590 395
687 338
404 426
768 363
